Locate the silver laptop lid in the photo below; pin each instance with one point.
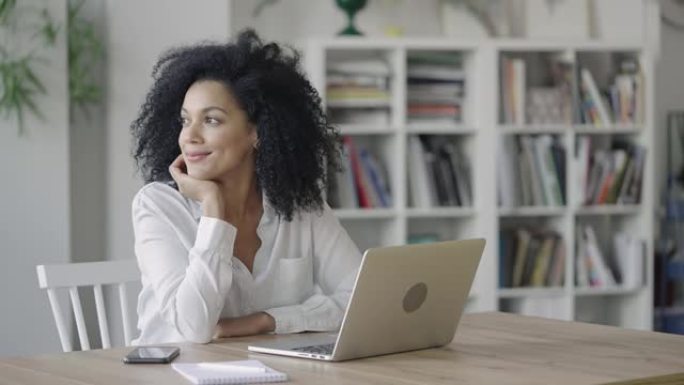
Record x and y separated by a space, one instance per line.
408 297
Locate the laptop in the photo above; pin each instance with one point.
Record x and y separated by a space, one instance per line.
405 298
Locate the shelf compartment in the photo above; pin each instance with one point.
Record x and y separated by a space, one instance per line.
608 210
440 212
587 129
365 213
532 211
439 129
366 129
518 129
600 291
525 292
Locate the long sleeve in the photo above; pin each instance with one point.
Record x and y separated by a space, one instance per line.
336 262
188 281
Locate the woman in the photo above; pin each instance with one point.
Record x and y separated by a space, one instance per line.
231 233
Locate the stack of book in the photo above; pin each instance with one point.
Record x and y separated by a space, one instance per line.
358 91
622 102
531 171
435 88
531 258
624 267
439 173
363 181
609 176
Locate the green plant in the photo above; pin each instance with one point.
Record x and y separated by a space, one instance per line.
19 87
22 32
6 7
85 51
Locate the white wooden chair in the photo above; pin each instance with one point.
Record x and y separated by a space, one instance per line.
96 274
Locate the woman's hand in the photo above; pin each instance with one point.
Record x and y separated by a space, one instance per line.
205 191
257 323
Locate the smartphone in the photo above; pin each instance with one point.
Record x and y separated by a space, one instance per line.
152 355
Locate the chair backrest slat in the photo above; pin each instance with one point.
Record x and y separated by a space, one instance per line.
87 273
125 317
78 316
59 320
101 316
96 274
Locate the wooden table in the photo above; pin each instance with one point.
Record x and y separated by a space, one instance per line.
489 348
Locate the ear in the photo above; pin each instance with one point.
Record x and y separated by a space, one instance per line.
254 138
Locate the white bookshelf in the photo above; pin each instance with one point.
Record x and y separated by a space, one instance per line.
479 134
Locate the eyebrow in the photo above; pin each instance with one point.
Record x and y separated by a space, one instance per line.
207 109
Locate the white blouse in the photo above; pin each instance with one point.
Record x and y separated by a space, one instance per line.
303 273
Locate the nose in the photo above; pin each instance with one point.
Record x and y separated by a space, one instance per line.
190 134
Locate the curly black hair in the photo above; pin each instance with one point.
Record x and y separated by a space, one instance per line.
296 142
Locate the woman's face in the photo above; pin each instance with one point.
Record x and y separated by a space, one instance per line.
217 137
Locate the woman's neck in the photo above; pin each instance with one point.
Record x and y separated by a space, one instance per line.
241 195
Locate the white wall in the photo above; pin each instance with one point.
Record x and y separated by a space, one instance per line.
34 206
137 33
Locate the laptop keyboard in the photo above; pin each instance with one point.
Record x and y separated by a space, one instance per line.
316 349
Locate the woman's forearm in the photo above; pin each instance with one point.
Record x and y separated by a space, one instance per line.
257 323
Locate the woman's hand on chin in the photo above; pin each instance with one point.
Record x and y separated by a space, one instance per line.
205 191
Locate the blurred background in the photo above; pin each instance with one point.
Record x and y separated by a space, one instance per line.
75 73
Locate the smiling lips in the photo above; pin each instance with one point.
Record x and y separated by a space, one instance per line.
196 156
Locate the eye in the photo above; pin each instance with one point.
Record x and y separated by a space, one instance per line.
212 121
184 121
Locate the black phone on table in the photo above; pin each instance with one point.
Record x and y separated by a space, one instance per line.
152 355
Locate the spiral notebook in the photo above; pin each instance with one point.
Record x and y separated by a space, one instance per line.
229 372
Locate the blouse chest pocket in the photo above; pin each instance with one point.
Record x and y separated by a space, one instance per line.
295 280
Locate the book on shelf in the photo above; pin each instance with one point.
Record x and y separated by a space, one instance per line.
508 173
421 187
595 110
342 193
354 84
435 89
609 176
622 267
531 258
359 116
363 181
439 173
513 90
620 102
532 171
376 67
